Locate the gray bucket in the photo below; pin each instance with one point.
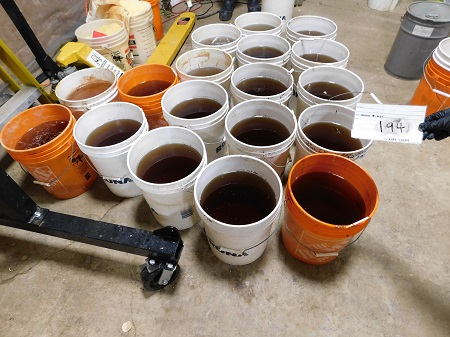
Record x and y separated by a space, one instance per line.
422 27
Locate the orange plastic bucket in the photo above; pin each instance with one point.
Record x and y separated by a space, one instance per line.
157 20
436 78
58 165
314 241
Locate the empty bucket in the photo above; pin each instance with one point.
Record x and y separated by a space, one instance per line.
263 129
208 64
328 84
109 37
217 35
144 86
252 23
238 199
261 80
41 140
87 88
326 128
330 200
382 5
310 27
423 26
263 48
105 134
200 106
142 39
165 163
433 89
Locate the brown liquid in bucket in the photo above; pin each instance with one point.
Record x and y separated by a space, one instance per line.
260 131
149 88
310 32
261 86
319 58
41 134
196 108
329 90
238 198
263 52
168 163
113 132
89 90
205 71
217 41
332 136
259 27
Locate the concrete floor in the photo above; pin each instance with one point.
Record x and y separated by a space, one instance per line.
392 282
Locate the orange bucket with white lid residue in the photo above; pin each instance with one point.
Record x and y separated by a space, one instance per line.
58 165
310 239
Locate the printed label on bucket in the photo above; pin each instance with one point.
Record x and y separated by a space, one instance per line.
311 246
99 61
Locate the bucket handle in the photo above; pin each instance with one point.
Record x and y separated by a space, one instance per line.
329 254
436 91
48 184
239 253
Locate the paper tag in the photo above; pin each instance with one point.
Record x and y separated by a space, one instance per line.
391 123
422 31
97 60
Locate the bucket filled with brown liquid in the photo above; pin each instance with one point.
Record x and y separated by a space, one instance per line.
208 64
253 23
264 48
310 27
238 199
41 140
164 163
261 80
87 88
328 84
329 202
263 129
144 86
105 134
200 106
326 128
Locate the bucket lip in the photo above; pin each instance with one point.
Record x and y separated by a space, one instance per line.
222 46
334 43
289 140
325 150
302 17
264 37
105 149
417 10
276 29
230 157
325 68
69 126
185 180
337 157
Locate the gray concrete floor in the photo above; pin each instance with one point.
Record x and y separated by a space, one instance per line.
392 282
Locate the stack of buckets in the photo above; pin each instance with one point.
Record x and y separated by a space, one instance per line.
433 89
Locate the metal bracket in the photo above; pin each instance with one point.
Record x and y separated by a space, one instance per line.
162 247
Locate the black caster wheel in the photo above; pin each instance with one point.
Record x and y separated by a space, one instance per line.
150 280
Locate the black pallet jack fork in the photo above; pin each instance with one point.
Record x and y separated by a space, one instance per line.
162 248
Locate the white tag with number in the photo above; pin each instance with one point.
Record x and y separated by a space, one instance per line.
391 123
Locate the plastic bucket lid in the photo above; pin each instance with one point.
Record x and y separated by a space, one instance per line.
264 41
276 155
238 244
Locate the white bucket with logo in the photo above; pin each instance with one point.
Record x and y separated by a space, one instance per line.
111 161
113 46
276 155
211 128
238 244
172 203
142 39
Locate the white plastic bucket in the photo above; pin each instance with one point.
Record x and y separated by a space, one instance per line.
382 5
329 74
238 244
211 128
259 23
441 54
83 77
217 33
263 41
142 39
172 204
261 70
283 8
205 58
111 161
331 113
275 155
113 47
310 24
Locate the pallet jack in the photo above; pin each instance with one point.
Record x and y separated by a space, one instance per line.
162 248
